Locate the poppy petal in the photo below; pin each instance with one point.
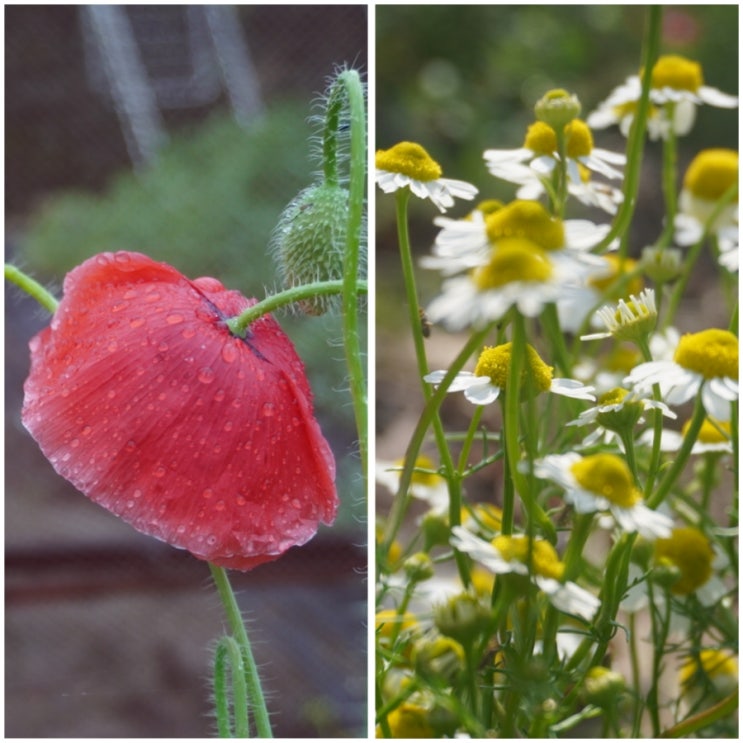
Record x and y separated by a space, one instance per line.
143 399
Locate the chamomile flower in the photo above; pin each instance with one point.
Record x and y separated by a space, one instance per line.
718 668
490 377
408 165
689 561
677 88
714 438
618 410
710 174
537 558
516 255
628 320
425 484
603 482
706 361
540 156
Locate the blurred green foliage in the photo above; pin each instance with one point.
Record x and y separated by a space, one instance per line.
463 78
460 79
208 206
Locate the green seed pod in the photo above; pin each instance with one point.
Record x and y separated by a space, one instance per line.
557 108
310 240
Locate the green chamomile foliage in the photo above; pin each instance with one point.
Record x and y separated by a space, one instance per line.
566 566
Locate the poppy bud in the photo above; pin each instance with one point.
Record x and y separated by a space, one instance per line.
309 242
144 400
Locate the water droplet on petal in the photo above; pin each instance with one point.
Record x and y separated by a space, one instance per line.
188 332
207 493
228 426
205 375
219 395
268 409
219 505
159 471
136 322
229 352
174 319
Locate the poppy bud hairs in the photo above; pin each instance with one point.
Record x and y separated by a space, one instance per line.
144 400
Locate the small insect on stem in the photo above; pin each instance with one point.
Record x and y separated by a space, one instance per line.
426 324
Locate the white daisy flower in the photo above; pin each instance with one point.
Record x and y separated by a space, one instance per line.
408 165
490 377
539 156
515 255
677 89
714 438
710 174
536 558
628 320
426 484
706 361
603 482
617 410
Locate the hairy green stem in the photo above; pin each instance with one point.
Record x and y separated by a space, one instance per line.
32 287
252 680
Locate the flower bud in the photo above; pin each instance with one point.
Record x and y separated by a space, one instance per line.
438 659
309 242
463 618
418 567
603 687
661 265
557 108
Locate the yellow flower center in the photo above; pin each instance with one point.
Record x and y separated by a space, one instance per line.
409 720
489 206
410 159
544 558
711 432
711 353
495 362
689 551
622 358
578 139
617 267
612 397
674 71
714 663
514 259
528 220
541 139
420 476
711 173
607 476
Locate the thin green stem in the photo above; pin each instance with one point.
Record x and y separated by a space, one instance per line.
695 425
239 325
31 287
228 655
402 497
351 83
636 140
240 634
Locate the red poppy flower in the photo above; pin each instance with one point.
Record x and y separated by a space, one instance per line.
143 399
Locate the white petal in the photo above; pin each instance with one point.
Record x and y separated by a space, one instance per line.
714 97
482 394
572 599
572 388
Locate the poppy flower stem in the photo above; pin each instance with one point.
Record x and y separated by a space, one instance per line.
239 325
33 288
252 682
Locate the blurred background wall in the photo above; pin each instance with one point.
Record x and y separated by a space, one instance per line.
181 132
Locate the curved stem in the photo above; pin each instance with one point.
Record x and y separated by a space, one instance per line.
32 287
240 634
239 325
